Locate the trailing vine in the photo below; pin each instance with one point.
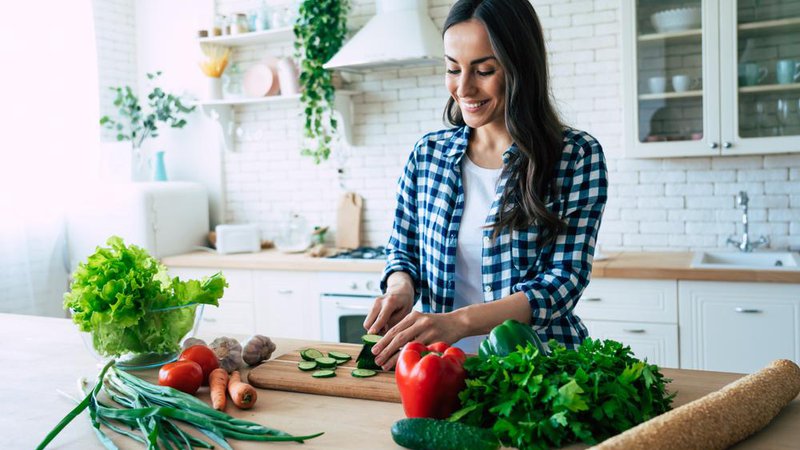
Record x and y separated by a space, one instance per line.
319 33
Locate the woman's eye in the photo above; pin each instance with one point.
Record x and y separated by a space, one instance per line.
453 71
485 74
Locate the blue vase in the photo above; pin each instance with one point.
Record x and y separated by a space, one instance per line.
159 169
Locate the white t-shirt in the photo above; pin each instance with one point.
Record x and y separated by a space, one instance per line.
480 185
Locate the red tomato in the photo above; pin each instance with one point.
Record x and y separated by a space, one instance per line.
202 355
184 376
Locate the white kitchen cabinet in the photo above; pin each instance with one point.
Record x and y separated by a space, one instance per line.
730 99
236 311
738 327
640 313
656 342
286 304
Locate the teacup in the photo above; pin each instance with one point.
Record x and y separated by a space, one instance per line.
683 83
657 84
754 74
787 71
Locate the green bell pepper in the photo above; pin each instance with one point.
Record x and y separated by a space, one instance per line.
505 338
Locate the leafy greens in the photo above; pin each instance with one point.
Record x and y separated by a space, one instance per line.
124 297
533 401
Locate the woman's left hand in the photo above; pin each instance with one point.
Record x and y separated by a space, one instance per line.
416 326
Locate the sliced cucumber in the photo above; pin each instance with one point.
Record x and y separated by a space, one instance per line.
363 373
307 365
326 362
366 360
340 356
311 354
325 373
370 339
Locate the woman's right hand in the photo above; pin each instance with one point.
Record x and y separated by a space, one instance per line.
392 307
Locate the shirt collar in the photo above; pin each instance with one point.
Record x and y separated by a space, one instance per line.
460 139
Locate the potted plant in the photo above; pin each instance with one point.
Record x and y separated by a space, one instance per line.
134 125
319 33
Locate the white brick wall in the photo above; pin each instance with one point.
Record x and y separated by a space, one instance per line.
115 33
669 204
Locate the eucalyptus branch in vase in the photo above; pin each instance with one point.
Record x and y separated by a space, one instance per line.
319 33
134 125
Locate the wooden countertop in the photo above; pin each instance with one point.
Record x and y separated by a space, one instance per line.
641 265
45 355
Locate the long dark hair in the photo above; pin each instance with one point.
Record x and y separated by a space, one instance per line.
532 121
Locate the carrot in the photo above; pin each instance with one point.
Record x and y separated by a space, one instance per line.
217 385
243 395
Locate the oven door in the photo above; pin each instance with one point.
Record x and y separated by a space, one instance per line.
342 316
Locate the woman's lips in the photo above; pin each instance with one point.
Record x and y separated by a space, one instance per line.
472 106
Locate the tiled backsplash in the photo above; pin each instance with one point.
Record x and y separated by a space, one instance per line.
662 204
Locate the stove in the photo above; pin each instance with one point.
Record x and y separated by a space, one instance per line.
362 253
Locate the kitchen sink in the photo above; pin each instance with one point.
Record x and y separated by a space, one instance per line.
751 261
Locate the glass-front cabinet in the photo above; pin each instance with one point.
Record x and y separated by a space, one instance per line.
711 77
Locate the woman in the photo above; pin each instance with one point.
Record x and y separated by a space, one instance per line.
496 218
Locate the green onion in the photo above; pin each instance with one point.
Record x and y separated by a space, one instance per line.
154 410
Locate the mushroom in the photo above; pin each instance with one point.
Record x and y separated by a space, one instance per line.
229 353
258 348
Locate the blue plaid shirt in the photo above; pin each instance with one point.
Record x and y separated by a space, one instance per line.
430 203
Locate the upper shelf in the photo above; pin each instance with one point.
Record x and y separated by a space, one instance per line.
253 37
768 25
257 100
769 88
671 95
764 26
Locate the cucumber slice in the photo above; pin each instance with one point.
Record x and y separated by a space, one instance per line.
325 373
311 354
340 356
366 360
307 365
370 339
363 373
326 362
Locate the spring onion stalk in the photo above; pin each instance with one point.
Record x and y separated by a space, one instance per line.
154 411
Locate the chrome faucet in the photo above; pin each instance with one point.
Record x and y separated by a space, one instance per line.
745 245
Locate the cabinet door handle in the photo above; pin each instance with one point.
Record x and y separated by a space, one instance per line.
747 310
713 145
727 144
634 330
285 291
592 299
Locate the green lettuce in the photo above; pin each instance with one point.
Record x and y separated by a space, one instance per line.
127 301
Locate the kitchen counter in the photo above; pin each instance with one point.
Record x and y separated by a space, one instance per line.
642 265
43 356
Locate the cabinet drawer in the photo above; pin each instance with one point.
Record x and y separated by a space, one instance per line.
634 300
656 342
228 318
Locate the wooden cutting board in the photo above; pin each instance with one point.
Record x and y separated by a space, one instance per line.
348 221
282 374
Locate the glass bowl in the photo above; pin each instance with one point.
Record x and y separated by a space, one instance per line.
139 356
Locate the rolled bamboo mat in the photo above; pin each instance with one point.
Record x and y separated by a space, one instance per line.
719 419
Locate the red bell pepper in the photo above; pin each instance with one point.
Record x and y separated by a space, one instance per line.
430 378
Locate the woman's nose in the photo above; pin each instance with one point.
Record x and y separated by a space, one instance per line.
466 85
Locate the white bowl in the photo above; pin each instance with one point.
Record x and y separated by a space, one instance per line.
679 19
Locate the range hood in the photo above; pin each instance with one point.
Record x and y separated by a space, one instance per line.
400 34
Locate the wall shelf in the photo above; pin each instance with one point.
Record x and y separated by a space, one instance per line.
768 25
221 112
254 37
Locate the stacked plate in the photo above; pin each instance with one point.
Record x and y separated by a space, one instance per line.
679 19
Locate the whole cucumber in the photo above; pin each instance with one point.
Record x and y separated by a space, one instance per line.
432 434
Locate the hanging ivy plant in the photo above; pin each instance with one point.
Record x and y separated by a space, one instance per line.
319 33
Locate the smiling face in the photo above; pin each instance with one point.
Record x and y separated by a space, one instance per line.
475 79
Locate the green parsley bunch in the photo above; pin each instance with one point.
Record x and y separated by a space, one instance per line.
534 401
